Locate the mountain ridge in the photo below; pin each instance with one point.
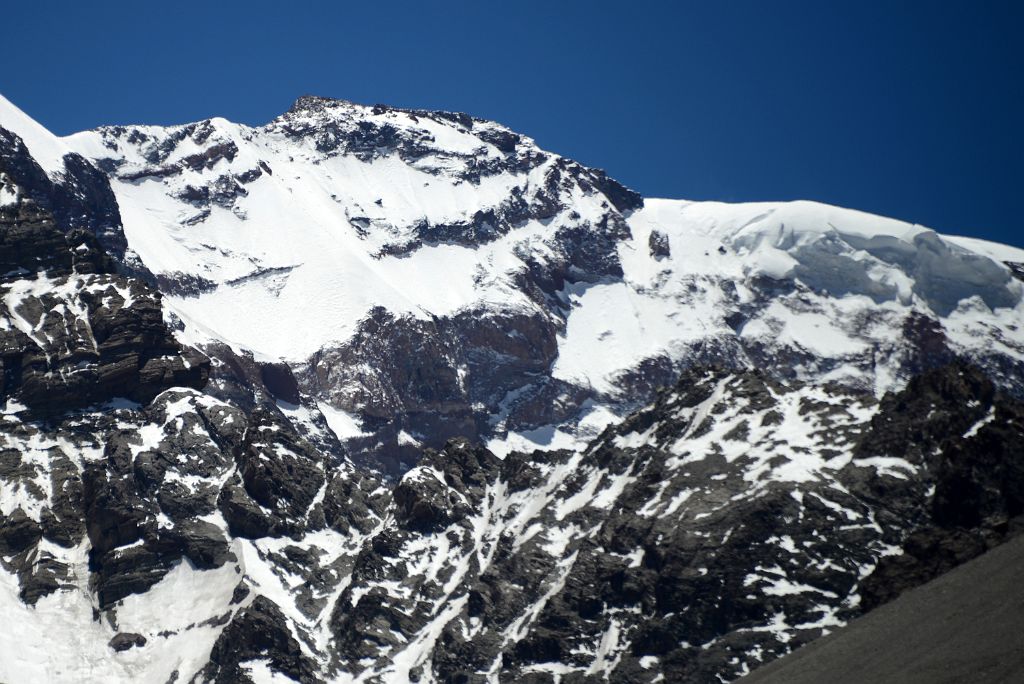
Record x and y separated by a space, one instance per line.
474 218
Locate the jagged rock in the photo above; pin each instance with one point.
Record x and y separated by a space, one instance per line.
81 202
39 574
426 503
126 640
349 503
243 515
127 570
115 514
716 517
281 473
18 531
258 632
63 522
115 350
201 542
659 245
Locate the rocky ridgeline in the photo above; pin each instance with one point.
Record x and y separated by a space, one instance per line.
335 128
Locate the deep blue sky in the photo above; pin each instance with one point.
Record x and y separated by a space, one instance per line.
909 109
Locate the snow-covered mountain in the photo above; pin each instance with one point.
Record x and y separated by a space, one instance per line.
369 247
370 394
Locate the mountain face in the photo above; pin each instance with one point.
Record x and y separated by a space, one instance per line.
370 394
426 275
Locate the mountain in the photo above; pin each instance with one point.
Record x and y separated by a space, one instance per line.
371 394
428 275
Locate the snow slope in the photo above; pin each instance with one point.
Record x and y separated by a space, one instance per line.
291 248
47 149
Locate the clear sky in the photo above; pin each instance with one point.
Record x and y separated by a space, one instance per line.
908 109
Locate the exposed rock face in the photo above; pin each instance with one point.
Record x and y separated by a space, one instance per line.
126 640
257 632
79 200
951 423
72 331
658 244
448 367
77 340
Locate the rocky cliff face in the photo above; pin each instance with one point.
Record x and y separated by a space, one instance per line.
731 521
371 394
74 331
